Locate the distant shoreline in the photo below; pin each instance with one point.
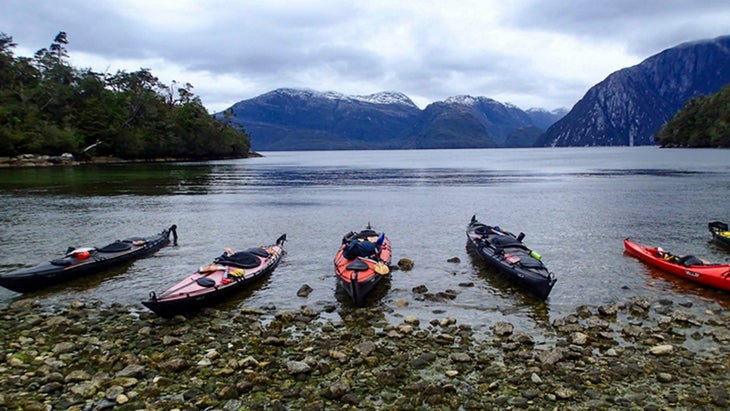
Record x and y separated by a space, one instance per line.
35 160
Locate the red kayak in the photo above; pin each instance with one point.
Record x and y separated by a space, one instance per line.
688 267
362 261
227 274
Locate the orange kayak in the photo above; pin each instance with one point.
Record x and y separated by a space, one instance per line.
361 262
688 267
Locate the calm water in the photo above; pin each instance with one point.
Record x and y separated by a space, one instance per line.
574 204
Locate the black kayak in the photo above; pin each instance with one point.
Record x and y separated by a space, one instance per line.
511 257
79 262
720 232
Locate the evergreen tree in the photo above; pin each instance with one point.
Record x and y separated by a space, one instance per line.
703 122
49 107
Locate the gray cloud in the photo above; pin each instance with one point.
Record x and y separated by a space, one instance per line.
531 53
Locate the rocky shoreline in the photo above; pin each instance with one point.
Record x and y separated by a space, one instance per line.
66 159
621 356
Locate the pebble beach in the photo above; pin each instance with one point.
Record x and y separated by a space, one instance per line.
629 355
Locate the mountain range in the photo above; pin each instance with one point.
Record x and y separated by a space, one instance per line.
626 108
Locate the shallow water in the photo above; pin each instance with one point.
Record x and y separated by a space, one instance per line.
575 206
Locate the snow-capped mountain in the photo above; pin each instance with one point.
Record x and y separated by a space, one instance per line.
302 119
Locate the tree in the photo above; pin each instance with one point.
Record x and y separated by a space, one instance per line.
703 122
49 107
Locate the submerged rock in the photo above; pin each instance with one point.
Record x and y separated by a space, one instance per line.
405 264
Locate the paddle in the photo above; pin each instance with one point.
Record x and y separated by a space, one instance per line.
381 268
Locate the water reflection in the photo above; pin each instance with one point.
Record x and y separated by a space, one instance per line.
234 177
576 205
108 180
512 298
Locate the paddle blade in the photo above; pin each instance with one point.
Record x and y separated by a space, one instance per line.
381 268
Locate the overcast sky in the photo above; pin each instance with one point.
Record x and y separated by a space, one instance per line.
529 53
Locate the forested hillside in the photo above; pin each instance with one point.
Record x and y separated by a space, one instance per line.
49 107
703 122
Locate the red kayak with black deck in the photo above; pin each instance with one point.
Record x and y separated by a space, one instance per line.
362 261
84 261
211 284
688 267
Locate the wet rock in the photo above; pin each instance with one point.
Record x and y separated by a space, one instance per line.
77 375
551 356
719 396
84 389
175 365
502 328
423 360
608 310
51 387
685 318
460 357
113 392
583 311
664 377
579 338
286 316
297 367
405 264
639 305
523 338
304 291
632 331
351 398
421 289
661 349
446 339
171 340
338 355
365 348
228 392
121 399
132 370
337 389
563 393
64 347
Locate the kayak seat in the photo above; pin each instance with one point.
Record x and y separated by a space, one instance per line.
241 259
529 262
364 234
115 247
689 260
357 265
205 282
61 262
259 252
482 229
506 241
134 239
